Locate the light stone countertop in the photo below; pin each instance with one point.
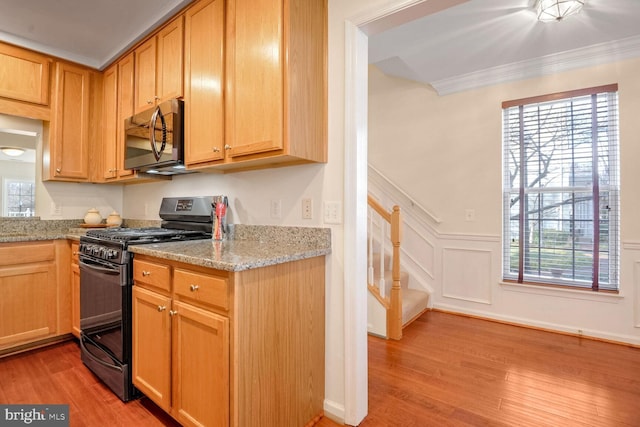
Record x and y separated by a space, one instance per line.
247 247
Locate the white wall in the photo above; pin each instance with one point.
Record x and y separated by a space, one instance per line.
446 152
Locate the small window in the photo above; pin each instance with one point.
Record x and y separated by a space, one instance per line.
561 189
19 198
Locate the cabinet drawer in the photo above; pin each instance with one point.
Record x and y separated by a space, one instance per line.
152 274
25 253
201 287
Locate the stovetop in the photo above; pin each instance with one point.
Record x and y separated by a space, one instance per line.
110 244
144 235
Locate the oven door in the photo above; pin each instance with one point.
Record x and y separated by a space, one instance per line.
101 304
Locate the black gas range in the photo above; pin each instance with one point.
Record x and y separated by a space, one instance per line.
106 279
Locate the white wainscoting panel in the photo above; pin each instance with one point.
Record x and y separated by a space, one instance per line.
466 274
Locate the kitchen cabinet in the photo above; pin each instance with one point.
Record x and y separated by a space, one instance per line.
117 105
180 348
220 348
24 75
110 122
203 84
75 289
66 137
159 66
276 115
35 303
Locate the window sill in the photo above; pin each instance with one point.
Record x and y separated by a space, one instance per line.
587 295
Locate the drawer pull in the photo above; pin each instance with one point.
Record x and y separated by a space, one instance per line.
194 288
173 312
145 273
162 308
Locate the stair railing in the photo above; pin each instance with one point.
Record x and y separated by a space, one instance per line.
392 303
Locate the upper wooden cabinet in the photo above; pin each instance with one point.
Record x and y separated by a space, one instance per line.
159 66
66 141
24 75
203 84
117 104
276 82
109 122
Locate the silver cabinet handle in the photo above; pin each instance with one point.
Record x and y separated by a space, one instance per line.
58 170
145 273
216 149
162 308
173 312
194 288
227 147
149 101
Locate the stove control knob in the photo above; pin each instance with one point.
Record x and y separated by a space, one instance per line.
112 253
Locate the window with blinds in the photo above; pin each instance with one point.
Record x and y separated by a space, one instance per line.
561 189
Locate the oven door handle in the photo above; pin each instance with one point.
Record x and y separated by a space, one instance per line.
98 268
95 359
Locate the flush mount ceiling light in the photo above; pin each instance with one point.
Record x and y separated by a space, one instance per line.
557 10
12 151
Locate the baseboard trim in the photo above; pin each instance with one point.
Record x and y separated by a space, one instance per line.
520 323
334 411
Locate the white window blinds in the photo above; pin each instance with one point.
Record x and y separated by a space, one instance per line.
561 189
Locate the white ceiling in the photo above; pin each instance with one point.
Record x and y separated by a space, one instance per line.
480 42
450 44
90 32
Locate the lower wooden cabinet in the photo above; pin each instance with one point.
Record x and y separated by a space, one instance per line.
35 303
75 289
218 348
180 356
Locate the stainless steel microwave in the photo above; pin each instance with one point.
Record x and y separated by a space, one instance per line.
154 139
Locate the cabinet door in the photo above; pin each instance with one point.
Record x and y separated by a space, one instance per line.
125 108
145 75
75 289
152 345
24 75
204 56
26 309
200 366
109 123
170 60
69 142
75 300
255 106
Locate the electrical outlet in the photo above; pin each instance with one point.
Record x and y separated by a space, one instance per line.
56 209
307 208
332 212
276 209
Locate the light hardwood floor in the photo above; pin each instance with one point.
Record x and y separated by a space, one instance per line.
448 370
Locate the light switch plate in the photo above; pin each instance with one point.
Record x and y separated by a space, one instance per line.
332 212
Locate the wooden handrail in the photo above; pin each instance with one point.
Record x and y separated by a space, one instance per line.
393 304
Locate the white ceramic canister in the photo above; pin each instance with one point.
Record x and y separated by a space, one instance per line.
93 217
114 219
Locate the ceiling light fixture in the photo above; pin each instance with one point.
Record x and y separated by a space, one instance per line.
12 151
557 10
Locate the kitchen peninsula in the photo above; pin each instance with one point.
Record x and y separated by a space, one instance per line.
225 333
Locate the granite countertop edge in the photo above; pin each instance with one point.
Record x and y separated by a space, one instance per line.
248 262
247 246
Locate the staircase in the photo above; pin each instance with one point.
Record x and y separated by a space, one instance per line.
392 303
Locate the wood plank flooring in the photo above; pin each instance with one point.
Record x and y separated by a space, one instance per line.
452 370
56 375
448 370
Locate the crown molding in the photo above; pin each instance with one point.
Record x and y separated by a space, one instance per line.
598 54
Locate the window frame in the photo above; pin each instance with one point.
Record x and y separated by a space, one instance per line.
612 190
